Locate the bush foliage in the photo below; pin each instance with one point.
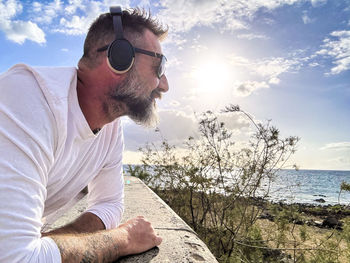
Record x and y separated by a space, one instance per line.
216 187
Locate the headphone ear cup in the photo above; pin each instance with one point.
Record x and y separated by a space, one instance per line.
121 55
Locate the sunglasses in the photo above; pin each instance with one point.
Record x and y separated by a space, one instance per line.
163 60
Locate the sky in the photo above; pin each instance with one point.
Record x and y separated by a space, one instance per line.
287 61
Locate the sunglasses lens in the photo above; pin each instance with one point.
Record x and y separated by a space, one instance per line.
161 69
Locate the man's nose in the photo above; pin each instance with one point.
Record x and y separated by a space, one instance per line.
163 84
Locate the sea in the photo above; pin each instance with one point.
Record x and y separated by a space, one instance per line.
308 186
318 187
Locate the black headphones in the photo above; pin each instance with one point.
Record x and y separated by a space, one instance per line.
120 53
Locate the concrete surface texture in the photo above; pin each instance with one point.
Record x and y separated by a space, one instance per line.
180 243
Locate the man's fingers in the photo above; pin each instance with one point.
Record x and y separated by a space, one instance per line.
158 240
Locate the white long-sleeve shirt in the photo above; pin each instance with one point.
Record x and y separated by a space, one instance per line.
48 154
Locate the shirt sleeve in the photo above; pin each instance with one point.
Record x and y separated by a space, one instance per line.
106 191
26 156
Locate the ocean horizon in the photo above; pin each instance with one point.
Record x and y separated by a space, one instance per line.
308 186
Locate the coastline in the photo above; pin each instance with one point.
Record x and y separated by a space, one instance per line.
285 232
318 215
258 228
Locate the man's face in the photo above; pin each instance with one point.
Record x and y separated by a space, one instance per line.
142 85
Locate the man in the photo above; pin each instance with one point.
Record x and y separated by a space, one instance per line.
60 130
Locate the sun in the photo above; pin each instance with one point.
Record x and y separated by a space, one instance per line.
212 76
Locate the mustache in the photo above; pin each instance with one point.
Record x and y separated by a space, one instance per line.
156 94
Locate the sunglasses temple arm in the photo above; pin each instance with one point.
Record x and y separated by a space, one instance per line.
102 49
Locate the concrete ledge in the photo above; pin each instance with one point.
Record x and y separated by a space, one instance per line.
180 242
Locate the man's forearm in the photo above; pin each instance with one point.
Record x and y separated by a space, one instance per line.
86 223
134 236
102 246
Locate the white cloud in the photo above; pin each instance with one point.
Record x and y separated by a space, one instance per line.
73 5
273 67
9 8
337 146
314 64
183 15
37 7
17 30
248 87
144 3
174 104
251 36
269 69
232 24
20 31
337 46
76 26
175 39
261 73
274 81
73 17
173 62
317 3
199 48
239 61
47 12
306 18
175 126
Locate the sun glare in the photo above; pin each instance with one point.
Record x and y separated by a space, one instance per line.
212 77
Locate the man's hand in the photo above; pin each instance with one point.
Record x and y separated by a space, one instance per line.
140 236
135 236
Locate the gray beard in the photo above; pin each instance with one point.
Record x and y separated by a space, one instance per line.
141 109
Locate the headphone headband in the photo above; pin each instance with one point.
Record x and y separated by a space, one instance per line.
116 13
120 53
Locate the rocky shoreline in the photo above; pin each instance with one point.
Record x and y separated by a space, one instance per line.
322 216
